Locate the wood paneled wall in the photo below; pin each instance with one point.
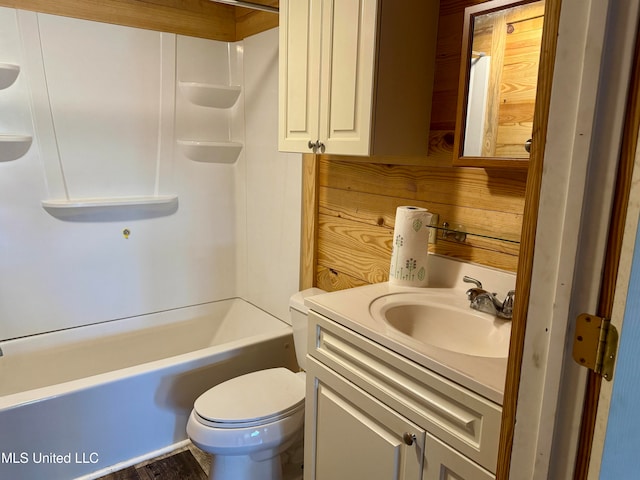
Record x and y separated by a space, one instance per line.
353 199
195 18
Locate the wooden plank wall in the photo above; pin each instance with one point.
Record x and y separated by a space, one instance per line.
354 199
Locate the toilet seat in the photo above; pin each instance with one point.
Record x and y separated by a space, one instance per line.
253 399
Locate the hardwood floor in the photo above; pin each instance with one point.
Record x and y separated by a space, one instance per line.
188 463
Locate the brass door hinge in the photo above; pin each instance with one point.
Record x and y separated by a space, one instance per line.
595 344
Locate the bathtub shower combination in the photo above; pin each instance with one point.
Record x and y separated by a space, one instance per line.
83 401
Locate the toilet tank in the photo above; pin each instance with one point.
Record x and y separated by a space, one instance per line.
298 313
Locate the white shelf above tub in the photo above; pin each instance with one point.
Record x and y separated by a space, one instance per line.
13 147
210 95
8 74
108 202
210 152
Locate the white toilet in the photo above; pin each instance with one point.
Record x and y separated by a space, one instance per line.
248 421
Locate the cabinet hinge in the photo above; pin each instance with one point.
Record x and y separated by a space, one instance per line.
595 344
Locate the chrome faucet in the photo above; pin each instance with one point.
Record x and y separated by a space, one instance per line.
483 301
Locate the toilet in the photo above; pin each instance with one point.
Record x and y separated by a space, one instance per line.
248 421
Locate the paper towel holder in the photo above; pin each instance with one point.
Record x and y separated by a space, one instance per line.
458 233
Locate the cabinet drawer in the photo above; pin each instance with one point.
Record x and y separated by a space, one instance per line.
462 419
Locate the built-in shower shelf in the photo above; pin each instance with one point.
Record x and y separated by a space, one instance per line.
210 152
210 95
13 147
108 202
8 74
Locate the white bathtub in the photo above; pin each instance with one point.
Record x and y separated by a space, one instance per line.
81 402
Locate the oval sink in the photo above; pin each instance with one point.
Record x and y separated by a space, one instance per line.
436 322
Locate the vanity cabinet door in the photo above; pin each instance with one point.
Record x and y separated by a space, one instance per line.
350 435
443 462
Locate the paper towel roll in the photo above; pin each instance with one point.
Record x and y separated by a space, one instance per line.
410 247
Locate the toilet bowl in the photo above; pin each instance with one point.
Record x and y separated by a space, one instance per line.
248 421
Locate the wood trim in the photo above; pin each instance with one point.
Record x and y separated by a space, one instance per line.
186 17
612 257
487 161
309 231
250 22
527 245
195 18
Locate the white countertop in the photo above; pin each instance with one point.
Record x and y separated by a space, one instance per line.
350 308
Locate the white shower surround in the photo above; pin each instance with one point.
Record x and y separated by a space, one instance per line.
235 231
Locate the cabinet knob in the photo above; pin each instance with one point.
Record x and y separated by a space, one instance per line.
409 438
315 146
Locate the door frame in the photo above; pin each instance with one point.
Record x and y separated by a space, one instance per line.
620 248
596 422
562 255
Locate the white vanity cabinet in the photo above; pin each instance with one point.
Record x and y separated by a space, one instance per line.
374 414
356 75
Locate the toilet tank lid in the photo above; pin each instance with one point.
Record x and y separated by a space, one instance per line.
297 299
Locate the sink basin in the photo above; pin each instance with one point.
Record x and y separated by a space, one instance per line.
442 322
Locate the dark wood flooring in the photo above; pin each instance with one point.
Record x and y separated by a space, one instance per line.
178 466
190 463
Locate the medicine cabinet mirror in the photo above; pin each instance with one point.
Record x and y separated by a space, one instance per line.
498 80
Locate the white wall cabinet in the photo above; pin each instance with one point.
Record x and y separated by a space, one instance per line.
356 76
373 414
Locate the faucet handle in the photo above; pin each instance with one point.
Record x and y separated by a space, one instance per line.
507 305
468 279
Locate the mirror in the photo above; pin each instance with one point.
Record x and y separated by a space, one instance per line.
498 79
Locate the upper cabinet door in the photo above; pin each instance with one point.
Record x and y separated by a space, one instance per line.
347 77
299 89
